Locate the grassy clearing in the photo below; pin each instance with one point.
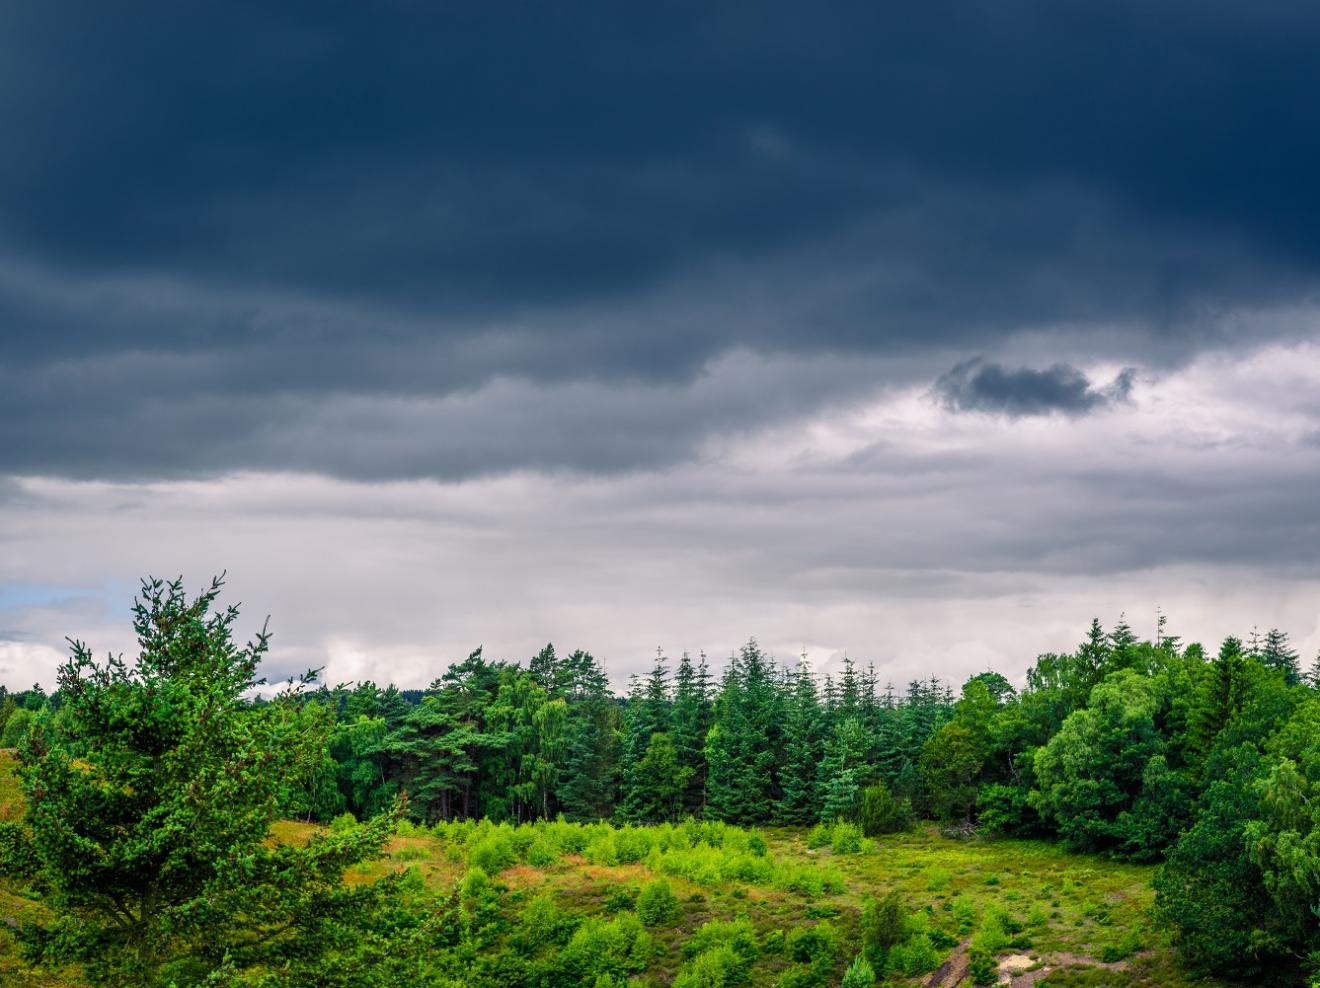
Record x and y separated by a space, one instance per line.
680 901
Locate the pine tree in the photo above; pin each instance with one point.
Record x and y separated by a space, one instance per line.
1122 644
741 747
589 776
149 808
647 714
689 723
1221 695
844 770
799 800
1092 657
1277 653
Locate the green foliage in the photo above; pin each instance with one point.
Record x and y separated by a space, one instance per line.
859 974
845 838
657 905
150 802
719 967
981 968
1090 773
915 956
878 812
813 944
16 728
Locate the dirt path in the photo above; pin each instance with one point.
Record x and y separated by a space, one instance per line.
1015 970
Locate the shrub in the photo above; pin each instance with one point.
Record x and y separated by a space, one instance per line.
914 956
964 914
846 838
883 925
819 836
878 812
982 969
657 905
345 821
602 850
738 935
18 855
542 923
810 977
493 854
618 947
719 967
541 853
631 844
937 879
812 944
860 974
994 934
1005 810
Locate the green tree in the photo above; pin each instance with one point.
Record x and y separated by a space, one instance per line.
743 741
799 799
1277 653
150 809
1092 770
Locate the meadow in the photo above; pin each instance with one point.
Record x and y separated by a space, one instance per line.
710 904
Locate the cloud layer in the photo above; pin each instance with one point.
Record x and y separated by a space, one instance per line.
660 321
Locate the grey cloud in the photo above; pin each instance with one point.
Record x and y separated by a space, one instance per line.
976 385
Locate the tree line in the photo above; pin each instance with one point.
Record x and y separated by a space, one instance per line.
1141 750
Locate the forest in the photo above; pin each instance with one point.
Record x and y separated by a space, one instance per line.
1135 812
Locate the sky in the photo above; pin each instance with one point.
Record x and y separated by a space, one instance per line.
920 334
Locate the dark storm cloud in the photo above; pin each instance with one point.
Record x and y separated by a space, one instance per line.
219 221
978 386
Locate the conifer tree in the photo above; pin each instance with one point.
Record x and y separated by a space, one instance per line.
647 714
799 799
844 770
589 776
690 719
1277 653
150 805
741 747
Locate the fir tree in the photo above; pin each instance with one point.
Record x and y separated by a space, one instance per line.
799 800
1277 653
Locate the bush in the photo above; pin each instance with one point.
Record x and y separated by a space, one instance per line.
657 905
541 853
879 812
493 854
810 977
846 838
1006 810
819 836
982 969
618 947
719 967
883 926
738 935
914 956
18 855
860 974
812 944
345 821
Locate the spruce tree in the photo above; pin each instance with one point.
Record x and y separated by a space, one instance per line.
150 803
1277 653
799 799
742 745
647 714
689 723
590 773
